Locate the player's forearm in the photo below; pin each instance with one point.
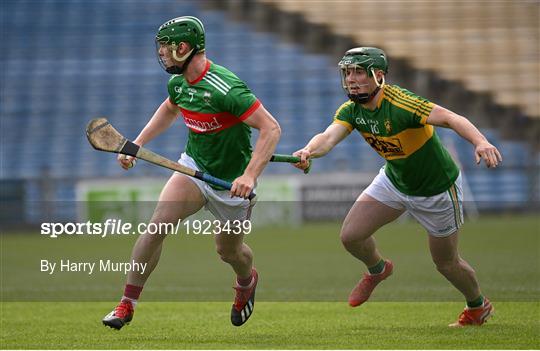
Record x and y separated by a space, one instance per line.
264 148
443 117
466 129
160 121
319 145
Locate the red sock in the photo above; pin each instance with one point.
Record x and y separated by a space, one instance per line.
244 281
132 291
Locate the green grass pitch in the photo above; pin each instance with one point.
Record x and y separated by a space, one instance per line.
274 325
301 301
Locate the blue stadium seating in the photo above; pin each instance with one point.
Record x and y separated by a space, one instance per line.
65 62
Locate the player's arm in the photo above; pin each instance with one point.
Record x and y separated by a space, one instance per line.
321 144
442 117
269 133
162 119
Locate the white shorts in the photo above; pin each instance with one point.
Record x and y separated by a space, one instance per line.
441 214
219 202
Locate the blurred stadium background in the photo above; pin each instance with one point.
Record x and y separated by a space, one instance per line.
64 62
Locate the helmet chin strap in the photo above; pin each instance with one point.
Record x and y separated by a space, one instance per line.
185 58
364 98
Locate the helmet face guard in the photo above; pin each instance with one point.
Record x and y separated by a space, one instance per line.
365 59
185 29
166 61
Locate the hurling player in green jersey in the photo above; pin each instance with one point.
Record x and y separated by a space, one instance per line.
219 111
419 176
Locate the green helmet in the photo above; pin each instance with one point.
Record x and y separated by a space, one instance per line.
368 59
186 29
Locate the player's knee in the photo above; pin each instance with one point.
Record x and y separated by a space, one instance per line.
350 236
167 213
162 222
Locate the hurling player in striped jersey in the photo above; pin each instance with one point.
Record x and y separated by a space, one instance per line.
219 111
419 176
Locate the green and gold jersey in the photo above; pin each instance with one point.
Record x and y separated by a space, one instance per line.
213 107
416 161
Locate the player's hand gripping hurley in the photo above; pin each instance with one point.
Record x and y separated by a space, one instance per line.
289 159
102 136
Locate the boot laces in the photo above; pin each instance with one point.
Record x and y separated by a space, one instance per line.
124 308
